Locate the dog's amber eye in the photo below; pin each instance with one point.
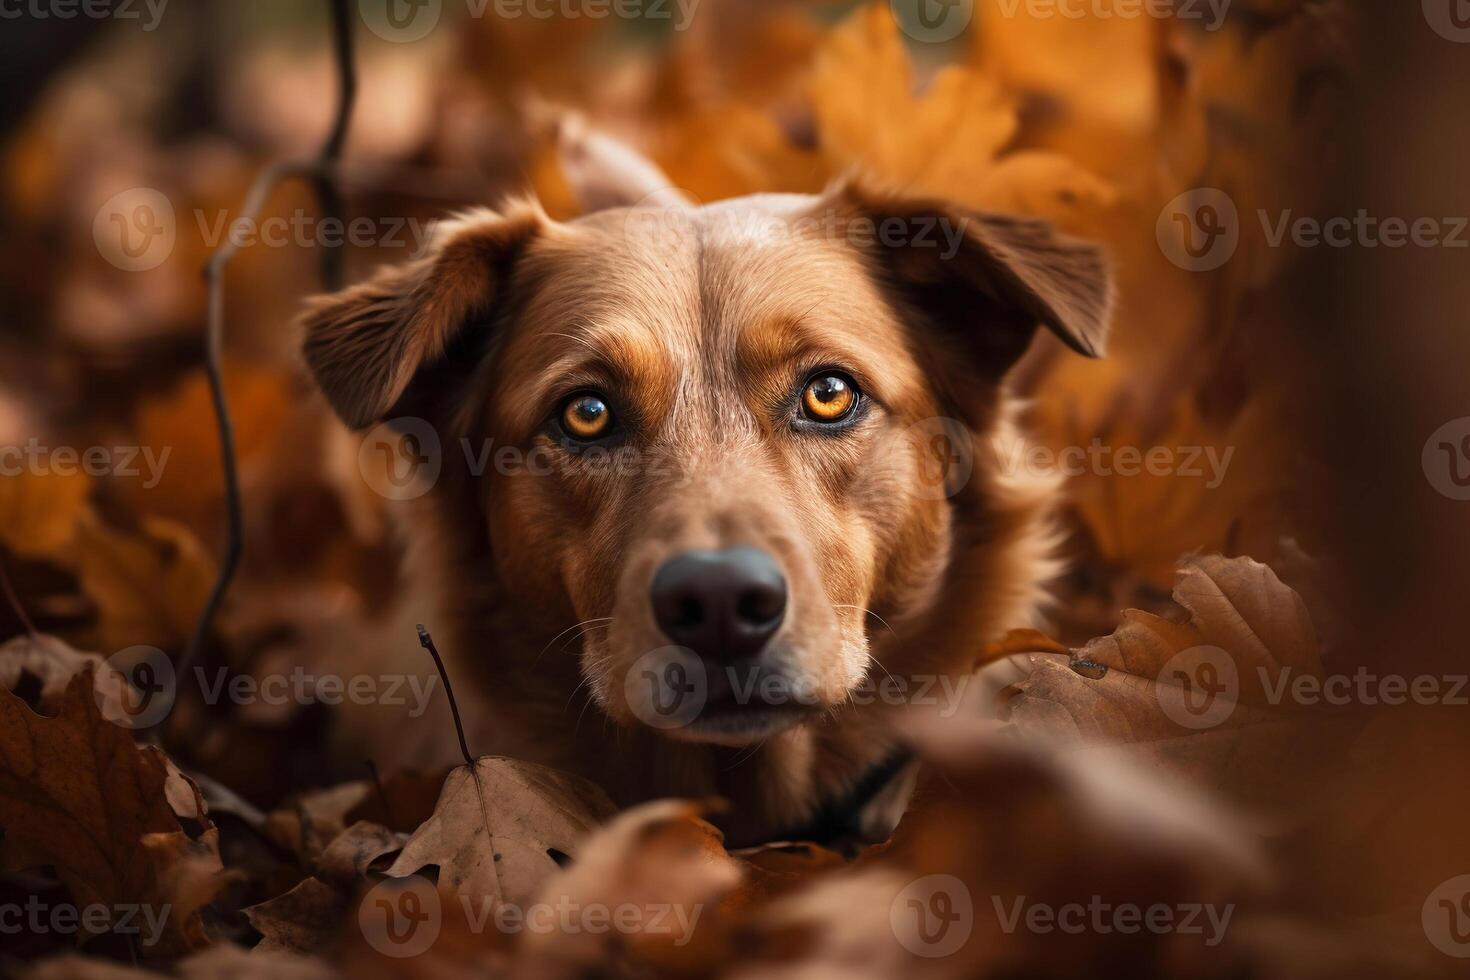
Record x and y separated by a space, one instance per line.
829 398
586 416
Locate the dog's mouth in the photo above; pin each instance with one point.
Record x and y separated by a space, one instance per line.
748 702
690 699
742 724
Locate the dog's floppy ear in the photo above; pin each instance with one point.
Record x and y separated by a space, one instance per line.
366 344
986 281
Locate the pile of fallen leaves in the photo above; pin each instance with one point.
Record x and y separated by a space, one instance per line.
1067 778
234 842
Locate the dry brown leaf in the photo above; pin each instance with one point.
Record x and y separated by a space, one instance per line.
495 825
149 585
728 150
308 919
657 856
39 514
1192 697
1219 477
313 819
867 112
304 921
47 659
1004 820
76 789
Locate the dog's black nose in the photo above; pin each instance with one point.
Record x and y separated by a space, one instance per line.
720 604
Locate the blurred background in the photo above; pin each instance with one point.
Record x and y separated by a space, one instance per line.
1313 394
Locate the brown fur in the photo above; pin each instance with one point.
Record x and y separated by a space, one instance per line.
702 336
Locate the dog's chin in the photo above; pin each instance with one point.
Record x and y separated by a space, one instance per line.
741 725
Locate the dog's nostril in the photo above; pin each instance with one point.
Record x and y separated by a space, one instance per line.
691 612
760 605
720 603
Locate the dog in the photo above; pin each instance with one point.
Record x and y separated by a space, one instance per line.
725 419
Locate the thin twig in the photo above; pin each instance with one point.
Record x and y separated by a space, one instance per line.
319 171
372 768
427 642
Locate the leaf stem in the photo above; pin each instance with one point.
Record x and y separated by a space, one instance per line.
427 642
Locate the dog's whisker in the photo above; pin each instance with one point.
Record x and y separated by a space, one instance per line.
867 612
585 631
597 619
748 754
579 687
580 715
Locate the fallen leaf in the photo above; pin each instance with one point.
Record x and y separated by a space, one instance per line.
149 585
495 827
661 859
868 114
39 513
76 789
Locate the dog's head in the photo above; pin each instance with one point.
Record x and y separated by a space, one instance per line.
723 422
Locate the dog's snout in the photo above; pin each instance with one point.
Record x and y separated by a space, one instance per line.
720 604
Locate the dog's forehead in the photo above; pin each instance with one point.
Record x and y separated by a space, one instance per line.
701 276
721 294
